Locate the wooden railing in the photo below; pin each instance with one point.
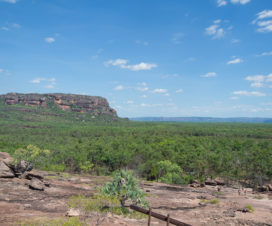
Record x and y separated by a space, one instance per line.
150 214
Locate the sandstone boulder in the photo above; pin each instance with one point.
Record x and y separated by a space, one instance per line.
33 174
73 213
5 171
210 182
22 166
219 182
36 184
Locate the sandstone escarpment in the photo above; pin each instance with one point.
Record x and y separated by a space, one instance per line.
67 102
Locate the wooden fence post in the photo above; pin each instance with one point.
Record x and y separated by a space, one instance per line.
149 217
168 219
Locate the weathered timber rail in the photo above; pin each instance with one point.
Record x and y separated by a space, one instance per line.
150 214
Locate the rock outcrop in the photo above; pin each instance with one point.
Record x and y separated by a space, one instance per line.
67 102
21 170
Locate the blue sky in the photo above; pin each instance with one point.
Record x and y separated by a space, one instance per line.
148 58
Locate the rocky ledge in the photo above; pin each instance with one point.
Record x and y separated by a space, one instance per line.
22 170
67 102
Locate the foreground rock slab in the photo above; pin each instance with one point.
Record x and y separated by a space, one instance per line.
19 203
5 171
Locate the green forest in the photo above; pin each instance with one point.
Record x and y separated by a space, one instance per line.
167 152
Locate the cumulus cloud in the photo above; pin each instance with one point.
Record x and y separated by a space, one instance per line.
215 30
247 93
142 87
10 26
221 3
118 88
265 54
10 1
179 91
225 2
243 2
209 75
175 75
50 82
259 81
160 91
263 21
49 40
235 61
123 63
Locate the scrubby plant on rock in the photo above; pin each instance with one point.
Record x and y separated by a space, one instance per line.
32 154
124 187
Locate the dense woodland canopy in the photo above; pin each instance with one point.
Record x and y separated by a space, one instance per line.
169 152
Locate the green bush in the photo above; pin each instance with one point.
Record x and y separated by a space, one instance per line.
32 154
124 187
250 208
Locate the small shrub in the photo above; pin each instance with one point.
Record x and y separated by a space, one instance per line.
73 221
102 204
250 208
212 201
124 187
258 197
33 155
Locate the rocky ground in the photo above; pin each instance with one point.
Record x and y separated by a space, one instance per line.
19 202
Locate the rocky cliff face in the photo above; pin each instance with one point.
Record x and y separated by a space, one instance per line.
67 102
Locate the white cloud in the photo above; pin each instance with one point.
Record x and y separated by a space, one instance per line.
259 81
221 3
235 61
5 28
243 2
225 2
144 96
263 22
122 63
160 91
51 82
179 91
1 70
142 89
16 25
117 62
167 94
144 105
235 41
215 30
118 88
247 93
142 86
209 75
10 1
265 54
175 75
140 66
130 102
49 40
234 98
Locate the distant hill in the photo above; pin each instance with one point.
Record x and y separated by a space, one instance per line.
69 106
202 119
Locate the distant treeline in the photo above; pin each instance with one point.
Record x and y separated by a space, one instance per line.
202 119
170 152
